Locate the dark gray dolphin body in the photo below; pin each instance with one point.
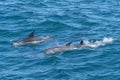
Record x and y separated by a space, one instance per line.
31 39
58 49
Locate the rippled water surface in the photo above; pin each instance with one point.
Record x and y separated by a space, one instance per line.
64 21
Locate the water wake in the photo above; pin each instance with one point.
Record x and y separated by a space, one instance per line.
98 43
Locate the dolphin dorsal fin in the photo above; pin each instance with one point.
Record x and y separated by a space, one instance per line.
68 44
81 43
31 34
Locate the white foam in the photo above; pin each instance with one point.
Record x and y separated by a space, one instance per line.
98 43
107 40
19 43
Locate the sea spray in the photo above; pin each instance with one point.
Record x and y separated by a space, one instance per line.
98 43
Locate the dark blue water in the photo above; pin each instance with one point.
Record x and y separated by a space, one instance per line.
64 21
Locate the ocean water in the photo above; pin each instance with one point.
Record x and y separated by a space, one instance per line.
95 21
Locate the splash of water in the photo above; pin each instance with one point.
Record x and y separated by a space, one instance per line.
98 43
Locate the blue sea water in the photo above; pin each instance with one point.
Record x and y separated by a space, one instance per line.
64 21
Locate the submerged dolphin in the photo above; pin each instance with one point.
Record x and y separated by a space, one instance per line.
58 49
81 44
31 39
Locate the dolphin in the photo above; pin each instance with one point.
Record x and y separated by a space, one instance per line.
81 44
58 49
31 39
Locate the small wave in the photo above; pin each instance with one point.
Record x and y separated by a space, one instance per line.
59 25
8 3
